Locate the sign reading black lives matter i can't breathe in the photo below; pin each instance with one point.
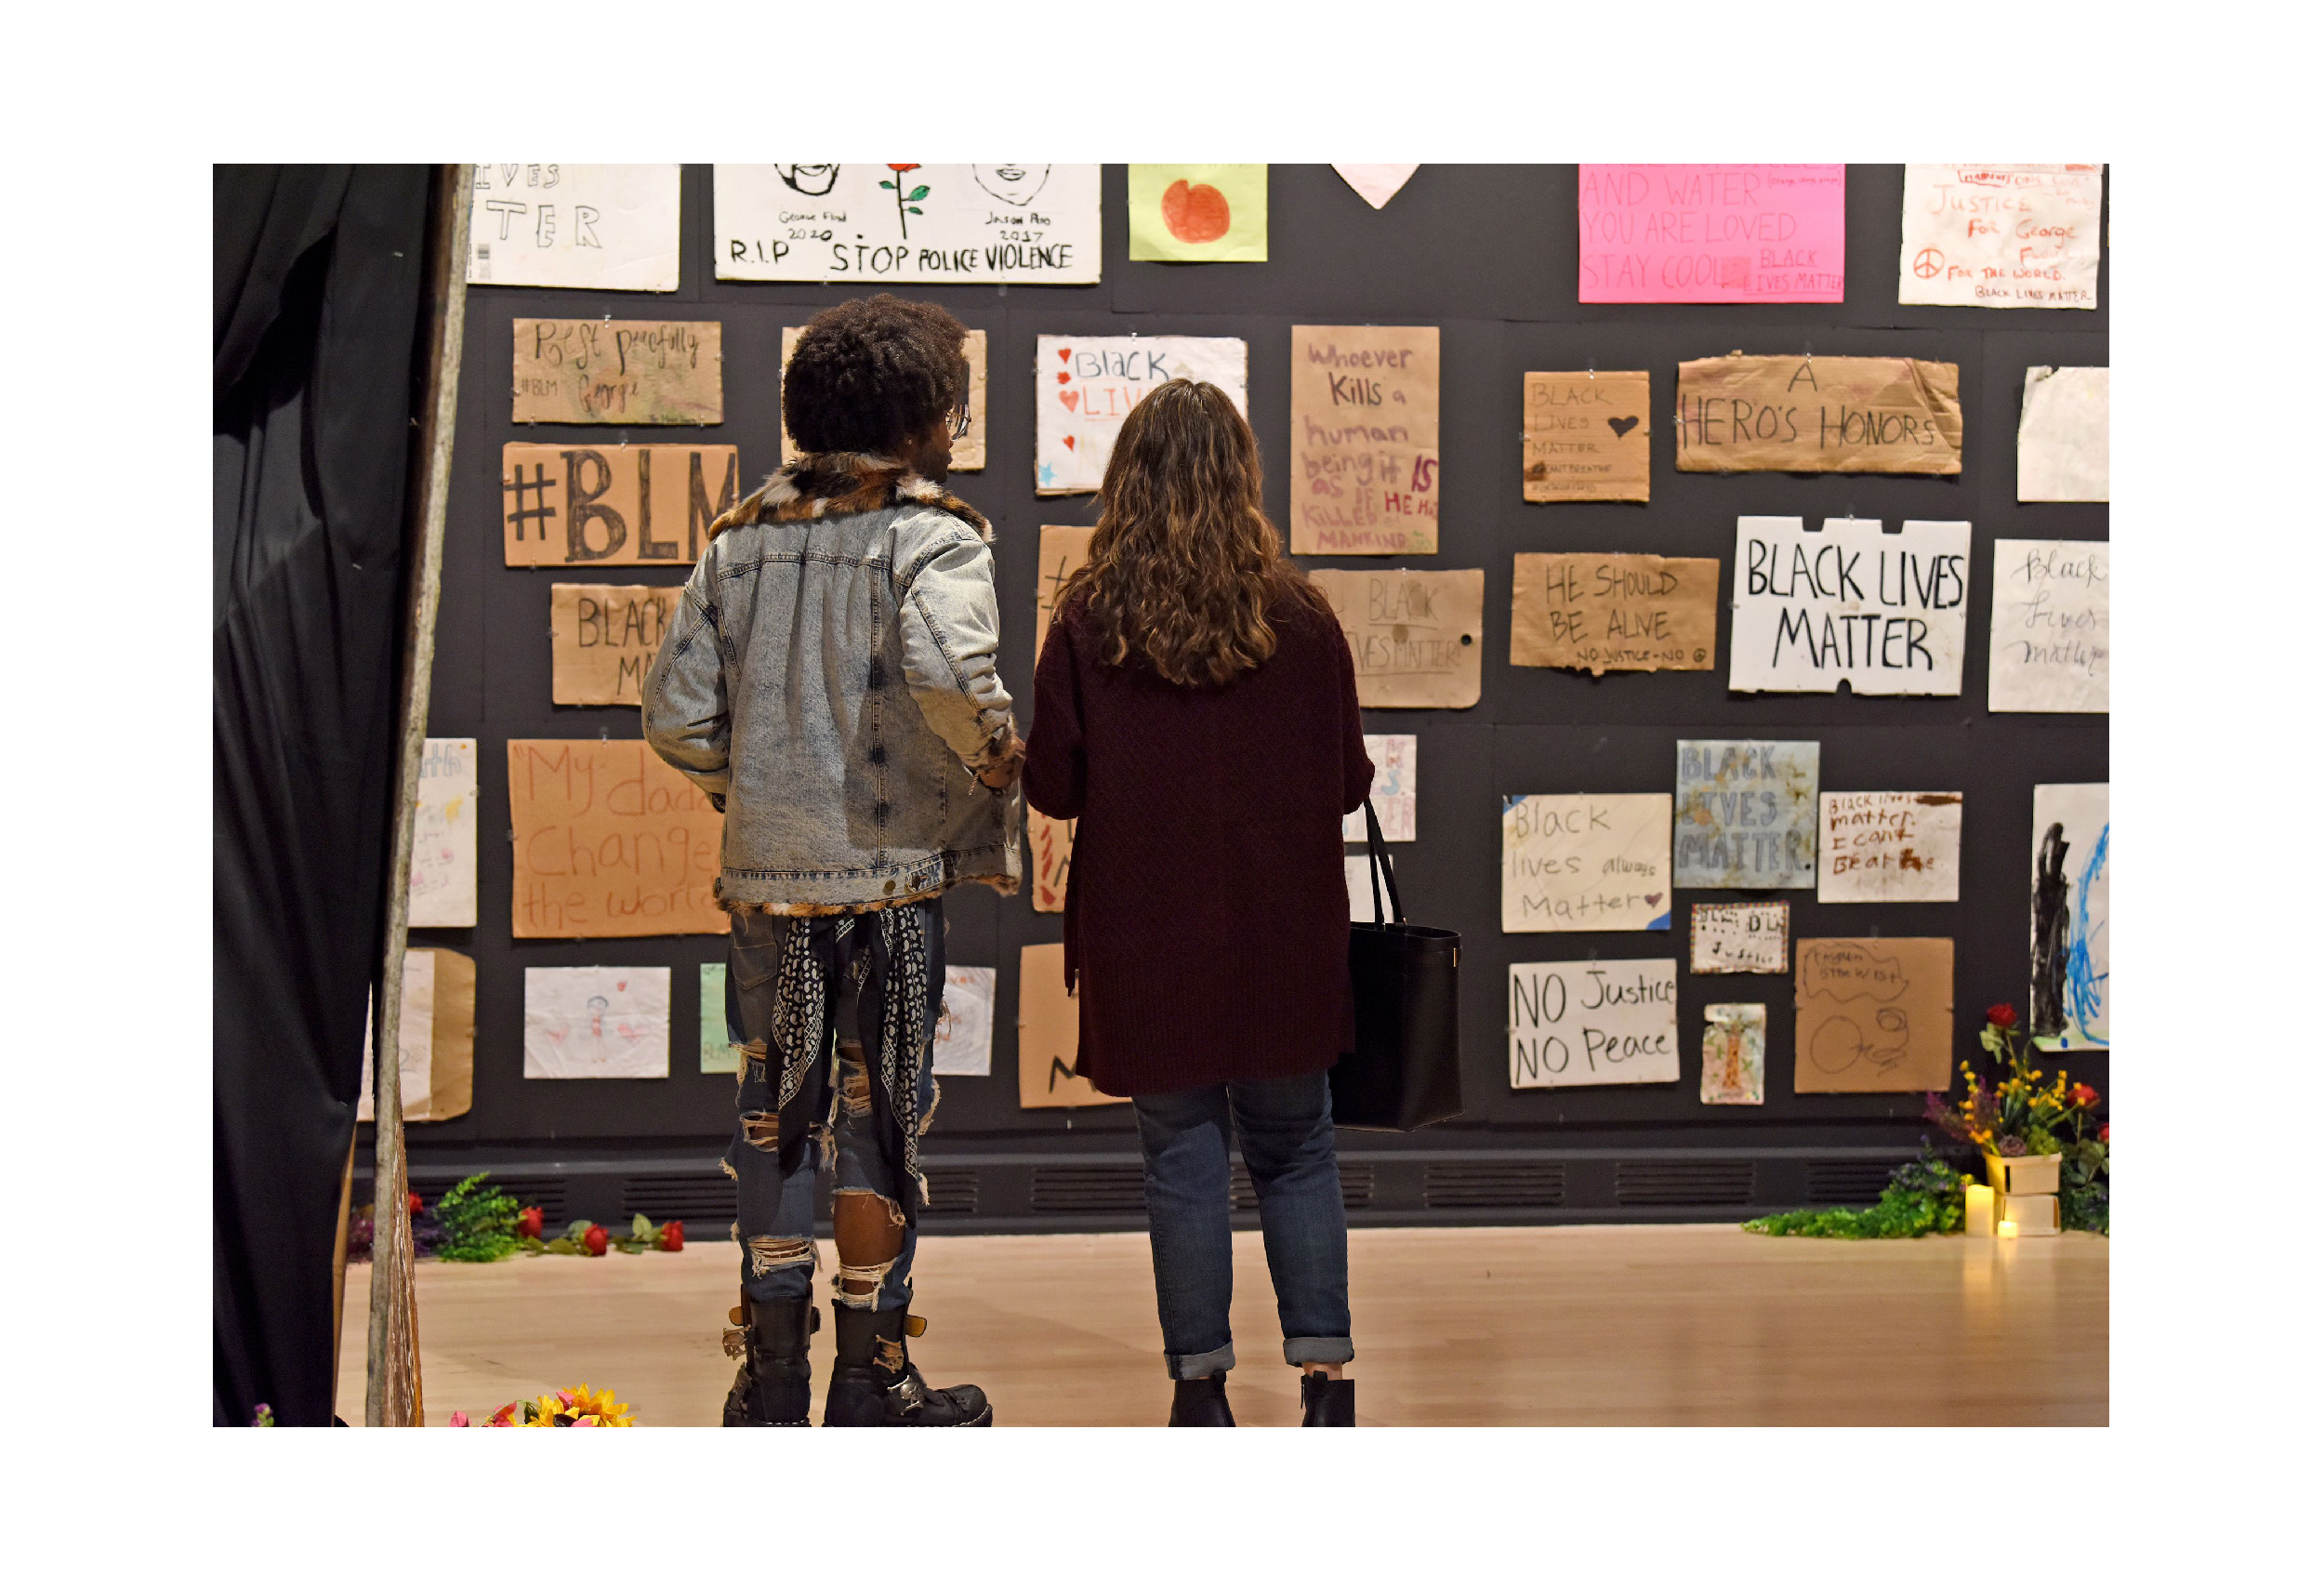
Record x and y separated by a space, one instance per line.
1886 613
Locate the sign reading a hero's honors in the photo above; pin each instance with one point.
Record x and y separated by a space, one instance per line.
1819 415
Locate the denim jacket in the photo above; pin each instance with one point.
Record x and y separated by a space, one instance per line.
830 682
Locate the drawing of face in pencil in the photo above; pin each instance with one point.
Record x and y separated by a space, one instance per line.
813 180
1012 184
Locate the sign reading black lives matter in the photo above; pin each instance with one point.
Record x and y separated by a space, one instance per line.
1007 222
1886 613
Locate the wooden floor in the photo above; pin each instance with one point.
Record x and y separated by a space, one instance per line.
1633 1324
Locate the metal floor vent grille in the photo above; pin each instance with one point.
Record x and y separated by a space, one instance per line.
1089 1188
952 1190
1355 1187
707 1195
1515 1185
1847 1183
543 1191
1725 1184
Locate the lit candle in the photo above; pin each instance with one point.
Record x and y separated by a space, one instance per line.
2006 1229
1977 1213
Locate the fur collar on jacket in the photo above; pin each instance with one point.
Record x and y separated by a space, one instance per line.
831 485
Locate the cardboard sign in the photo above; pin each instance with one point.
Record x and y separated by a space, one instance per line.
614 228
1048 1033
1395 790
572 506
1365 471
2073 863
1586 863
2001 236
1819 416
866 225
2062 435
617 372
2049 634
1084 388
1889 848
1735 1052
720 1055
1888 613
1627 611
1417 634
1714 234
1875 1015
443 835
1594 1023
1587 435
964 1031
1741 940
1745 814
1064 548
436 1038
1198 214
1049 842
610 842
597 1023
603 638
968 447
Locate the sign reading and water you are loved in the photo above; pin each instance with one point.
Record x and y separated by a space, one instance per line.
1714 234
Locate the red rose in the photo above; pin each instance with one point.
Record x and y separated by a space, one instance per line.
2002 1014
2082 1096
673 1236
912 167
593 1240
529 1223
2105 1131
415 1195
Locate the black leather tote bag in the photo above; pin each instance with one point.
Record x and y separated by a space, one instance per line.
1406 1070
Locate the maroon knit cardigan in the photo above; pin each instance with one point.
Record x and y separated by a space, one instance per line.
1207 913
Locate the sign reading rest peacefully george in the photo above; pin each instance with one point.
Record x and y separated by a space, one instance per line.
1415 634
610 842
1745 814
968 447
1629 612
443 835
1752 939
1888 613
1889 848
2001 236
2051 648
603 638
877 223
597 1023
1819 416
1084 388
567 506
614 228
1594 1023
1364 462
1714 234
617 372
1586 863
1875 1015
1587 434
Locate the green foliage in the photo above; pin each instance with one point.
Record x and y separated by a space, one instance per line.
2084 1187
480 1223
2040 1143
1923 1198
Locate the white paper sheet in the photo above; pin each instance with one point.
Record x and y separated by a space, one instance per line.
2050 650
2073 835
1882 848
1396 789
964 1032
2062 435
1586 863
596 1022
1735 1054
1594 1023
1741 939
1377 183
610 227
874 223
2001 236
443 835
1084 388
415 1038
1888 613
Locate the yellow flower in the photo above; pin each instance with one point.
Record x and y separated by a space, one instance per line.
582 1402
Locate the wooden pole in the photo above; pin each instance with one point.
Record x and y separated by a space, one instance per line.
391 1391
339 1269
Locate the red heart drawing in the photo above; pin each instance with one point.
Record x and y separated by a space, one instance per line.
1653 898
1071 399
621 987
1065 355
1069 444
1062 377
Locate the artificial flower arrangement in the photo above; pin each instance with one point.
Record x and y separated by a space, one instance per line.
579 1407
475 1222
2030 1113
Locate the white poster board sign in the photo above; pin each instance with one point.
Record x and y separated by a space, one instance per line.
2073 837
1884 848
1396 789
610 227
415 1038
876 224
1084 388
2062 435
1888 613
1594 1023
1741 939
2051 617
2001 236
964 1032
596 1022
1586 863
443 835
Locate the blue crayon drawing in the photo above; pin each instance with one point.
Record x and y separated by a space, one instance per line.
2085 982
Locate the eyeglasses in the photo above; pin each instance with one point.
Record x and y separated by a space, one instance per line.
960 424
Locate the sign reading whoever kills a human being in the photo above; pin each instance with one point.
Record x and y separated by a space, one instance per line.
1714 234
1594 1023
1874 1014
564 507
872 224
1586 863
617 372
1819 416
1364 462
1587 434
1632 612
610 841
603 638
1417 634
1887 613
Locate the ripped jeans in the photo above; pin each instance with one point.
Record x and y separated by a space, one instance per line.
854 1129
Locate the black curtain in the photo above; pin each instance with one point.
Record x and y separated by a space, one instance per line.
319 273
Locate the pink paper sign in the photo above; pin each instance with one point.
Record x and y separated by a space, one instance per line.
1714 234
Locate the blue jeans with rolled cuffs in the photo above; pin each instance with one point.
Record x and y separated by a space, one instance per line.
1284 1128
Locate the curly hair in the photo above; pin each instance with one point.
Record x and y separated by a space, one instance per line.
1186 562
870 374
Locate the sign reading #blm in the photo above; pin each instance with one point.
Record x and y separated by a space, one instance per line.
567 506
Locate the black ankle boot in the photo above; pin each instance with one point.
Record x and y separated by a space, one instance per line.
771 1387
874 1384
1327 1402
1201 1403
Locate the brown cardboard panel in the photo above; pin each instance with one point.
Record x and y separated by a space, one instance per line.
968 449
1875 1015
617 372
599 507
1049 847
610 842
1630 613
1587 435
603 638
1418 635
1819 415
1048 1033
1064 548
452 1068
1364 474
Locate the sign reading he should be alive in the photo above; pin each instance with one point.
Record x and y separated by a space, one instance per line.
1887 613
1819 416
603 638
566 506
617 372
1363 460
1633 612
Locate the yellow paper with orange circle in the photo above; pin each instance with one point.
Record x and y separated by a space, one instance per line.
1198 214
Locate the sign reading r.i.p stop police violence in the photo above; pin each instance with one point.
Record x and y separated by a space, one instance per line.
1887 613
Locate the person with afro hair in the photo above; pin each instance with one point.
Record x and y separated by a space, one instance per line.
830 683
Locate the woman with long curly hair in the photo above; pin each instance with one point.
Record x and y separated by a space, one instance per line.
1194 710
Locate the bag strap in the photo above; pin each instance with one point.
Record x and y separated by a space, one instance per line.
1376 863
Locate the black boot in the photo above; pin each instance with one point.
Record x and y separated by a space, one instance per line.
874 1384
773 1385
1201 1403
1327 1402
